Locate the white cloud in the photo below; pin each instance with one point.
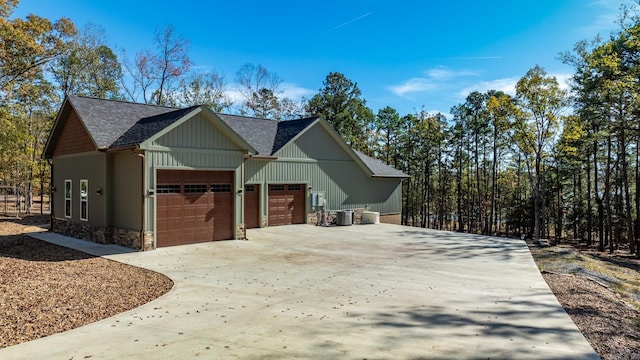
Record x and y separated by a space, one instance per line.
413 85
607 18
564 80
434 79
290 90
508 85
444 73
295 92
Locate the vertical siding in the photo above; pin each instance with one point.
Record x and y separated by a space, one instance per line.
126 190
345 184
73 137
92 167
315 143
198 132
316 160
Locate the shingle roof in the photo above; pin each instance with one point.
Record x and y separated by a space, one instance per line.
149 126
287 130
378 168
259 133
108 120
117 124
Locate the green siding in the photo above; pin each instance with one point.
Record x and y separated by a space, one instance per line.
126 190
315 143
345 185
197 132
91 166
315 159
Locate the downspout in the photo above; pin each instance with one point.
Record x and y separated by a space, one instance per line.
51 193
242 205
140 154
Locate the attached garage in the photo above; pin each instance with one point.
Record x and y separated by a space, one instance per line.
286 204
163 176
194 206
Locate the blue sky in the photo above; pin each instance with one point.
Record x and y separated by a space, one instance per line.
405 54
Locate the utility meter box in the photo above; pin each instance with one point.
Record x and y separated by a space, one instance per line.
318 199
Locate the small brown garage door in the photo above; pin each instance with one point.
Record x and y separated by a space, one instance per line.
286 204
193 206
252 206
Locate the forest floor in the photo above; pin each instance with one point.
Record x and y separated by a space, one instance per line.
47 289
601 294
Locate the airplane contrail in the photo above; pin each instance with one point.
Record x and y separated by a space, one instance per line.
350 21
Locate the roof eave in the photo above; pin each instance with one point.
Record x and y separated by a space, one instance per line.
392 176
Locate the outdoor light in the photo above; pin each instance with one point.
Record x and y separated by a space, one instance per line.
99 191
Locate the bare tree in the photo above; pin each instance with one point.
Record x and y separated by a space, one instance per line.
155 74
260 92
202 89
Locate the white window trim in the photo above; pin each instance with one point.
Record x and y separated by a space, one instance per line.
69 199
84 199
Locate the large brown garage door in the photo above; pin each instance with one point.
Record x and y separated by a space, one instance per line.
252 206
193 206
286 204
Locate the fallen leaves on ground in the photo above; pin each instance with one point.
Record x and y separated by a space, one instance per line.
47 289
589 292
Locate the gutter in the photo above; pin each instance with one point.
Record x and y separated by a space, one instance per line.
51 194
260 157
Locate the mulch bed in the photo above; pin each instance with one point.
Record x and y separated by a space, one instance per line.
47 289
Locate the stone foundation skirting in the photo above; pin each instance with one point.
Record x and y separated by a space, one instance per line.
241 232
97 234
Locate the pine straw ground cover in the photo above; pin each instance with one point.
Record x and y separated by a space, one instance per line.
46 289
601 294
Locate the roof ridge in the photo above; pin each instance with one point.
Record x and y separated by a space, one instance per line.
246 117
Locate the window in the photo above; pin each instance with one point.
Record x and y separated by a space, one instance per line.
84 200
276 187
249 188
295 187
196 188
168 189
67 198
220 188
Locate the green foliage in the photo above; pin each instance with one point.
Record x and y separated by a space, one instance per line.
88 67
340 102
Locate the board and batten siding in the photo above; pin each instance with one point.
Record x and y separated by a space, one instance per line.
198 133
315 159
91 166
197 144
315 144
126 190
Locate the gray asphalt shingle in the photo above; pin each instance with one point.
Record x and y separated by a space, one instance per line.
108 120
117 124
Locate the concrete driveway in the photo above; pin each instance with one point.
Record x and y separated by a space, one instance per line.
359 292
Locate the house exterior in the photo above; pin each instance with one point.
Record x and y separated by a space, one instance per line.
146 176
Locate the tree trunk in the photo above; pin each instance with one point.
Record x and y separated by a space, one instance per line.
589 210
625 192
460 221
607 194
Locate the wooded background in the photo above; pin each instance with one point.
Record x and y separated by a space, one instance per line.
543 163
